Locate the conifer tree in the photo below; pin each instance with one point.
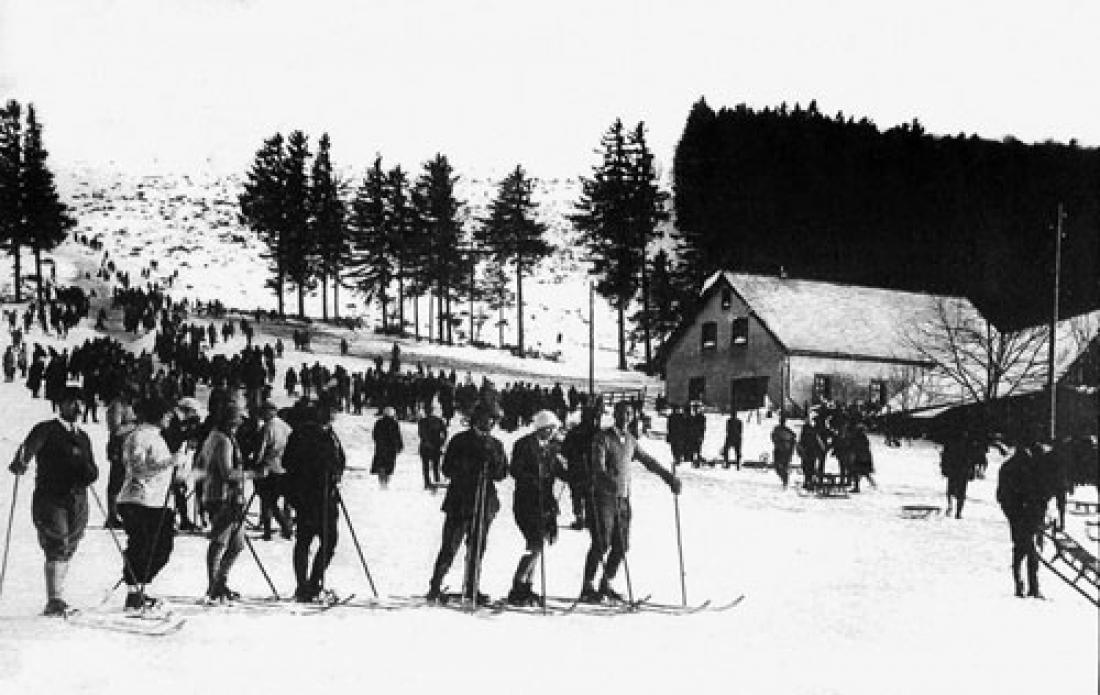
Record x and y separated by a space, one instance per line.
617 216
439 213
647 212
300 244
327 223
11 200
371 260
45 217
694 163
262 208
401 226
513 235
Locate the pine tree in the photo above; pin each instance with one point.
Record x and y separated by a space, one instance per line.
514 236
327 223
262 208
694 164
11 200
372 264
401 226
647 212
299 244
439 213
45 217
617 215
666 301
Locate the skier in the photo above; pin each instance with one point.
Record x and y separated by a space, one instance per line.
609 520
474 460
783 443
223 498
432 431
387 444
314 462
59 507
860 462
535 465
1023 491
143 502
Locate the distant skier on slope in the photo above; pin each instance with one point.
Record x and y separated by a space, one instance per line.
59 507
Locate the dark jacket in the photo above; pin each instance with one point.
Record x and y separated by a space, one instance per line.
468 454
387 443
1023 490
534 467
314 462
577 449
432 431
65 460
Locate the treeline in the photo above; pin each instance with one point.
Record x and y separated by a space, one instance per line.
32 215
392 238
835 198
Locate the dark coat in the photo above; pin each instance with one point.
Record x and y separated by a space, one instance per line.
387 444
314 461
432 431
534 467
468 454
1023 488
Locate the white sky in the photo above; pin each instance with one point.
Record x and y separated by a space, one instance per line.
179 83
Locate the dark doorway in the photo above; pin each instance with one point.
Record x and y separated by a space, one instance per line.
747 393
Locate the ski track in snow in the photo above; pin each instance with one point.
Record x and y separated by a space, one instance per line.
843 595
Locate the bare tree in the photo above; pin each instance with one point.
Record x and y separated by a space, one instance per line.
968 352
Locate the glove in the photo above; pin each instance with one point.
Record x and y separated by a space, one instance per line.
675 484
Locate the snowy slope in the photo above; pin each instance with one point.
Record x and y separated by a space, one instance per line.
843 595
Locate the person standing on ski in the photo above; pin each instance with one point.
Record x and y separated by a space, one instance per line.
577 449
473 462
223 498
734 430
314 462
143 502
609 520
534 467
59 506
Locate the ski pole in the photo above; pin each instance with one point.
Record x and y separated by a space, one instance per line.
7 534
355 540
542 538
622 542
114 537
680 551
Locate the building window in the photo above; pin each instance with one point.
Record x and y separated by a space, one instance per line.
697 388
877 393
823 388
710 336
727 298
739 332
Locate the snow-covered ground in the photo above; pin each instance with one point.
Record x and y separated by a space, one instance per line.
842 595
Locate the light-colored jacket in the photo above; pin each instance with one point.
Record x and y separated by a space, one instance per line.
273 438
612 452
150 467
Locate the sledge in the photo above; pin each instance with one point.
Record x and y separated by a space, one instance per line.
919 511
1084 507
147 623
1071 562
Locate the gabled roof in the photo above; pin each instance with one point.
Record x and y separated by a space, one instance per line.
822 318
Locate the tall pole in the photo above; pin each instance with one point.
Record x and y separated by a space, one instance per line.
591 341
1051 385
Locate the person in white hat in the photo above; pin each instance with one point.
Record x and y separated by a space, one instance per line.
536 462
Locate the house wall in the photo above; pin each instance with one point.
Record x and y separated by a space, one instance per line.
762 356
850 379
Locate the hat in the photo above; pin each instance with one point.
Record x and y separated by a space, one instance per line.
388 411
545 418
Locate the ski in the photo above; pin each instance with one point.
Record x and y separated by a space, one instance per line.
245 604
150 624
706 606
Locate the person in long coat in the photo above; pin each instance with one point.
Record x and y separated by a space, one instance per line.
1023 491
387 444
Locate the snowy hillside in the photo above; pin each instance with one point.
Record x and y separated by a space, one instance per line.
190 223
842 595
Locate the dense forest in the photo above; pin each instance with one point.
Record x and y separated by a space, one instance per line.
836 198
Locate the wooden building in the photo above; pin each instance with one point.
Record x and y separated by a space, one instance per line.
761 341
